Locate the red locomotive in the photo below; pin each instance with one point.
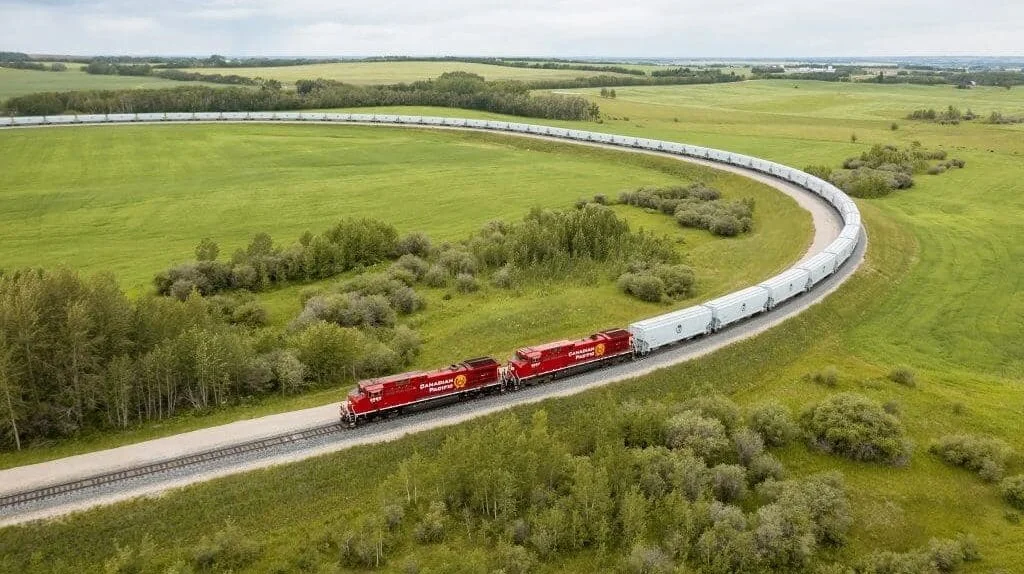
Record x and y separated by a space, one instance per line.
562 358
390 395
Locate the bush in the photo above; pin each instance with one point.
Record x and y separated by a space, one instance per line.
466 283
773 422
250 314
765 466
457 261
228 549
725 226
705 437
647 560
431 529
984 455
749 445
678 280
904 376
504 278
728 482
643 286
436 276
936 170
414 264
1012 489
417 244
853 426
716 407
828 377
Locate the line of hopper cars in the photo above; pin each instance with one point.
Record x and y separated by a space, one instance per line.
531 365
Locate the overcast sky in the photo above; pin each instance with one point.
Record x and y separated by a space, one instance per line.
666 28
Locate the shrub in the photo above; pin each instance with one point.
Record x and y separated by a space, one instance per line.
642 286
250 314
705 437
228 549
904 376
726 226
728 482
414 263
984 455
853 426
405 300
717 407
431 529
458 261
773 422
504 278
415 243
678 280
436 276
828 377
647 560
821 171
1012 489
466 283
936 170
515 559
765 466
748 444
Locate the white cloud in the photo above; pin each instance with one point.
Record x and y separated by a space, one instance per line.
669 28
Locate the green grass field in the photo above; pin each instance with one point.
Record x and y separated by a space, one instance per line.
941 291
21 82
85 198
395 72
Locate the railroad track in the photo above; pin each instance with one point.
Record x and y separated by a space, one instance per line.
11 501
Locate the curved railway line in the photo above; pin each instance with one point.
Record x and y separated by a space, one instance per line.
73 493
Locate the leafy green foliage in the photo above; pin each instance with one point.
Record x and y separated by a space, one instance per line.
984 455
853 426
1012 489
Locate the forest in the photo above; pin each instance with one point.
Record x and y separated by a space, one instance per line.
452 90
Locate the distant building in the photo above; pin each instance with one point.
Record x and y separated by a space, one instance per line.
809 70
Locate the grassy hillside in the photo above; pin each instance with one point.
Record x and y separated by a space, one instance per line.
940 292
21 82
396 72
88 199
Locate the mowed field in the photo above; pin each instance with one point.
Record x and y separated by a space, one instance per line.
20 82
941 292
396 72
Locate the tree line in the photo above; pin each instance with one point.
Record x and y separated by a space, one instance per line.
77 354
453 90
105 68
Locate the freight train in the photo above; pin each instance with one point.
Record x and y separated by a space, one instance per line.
532 365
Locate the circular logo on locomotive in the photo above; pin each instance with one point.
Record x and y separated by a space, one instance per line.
599 349
460 381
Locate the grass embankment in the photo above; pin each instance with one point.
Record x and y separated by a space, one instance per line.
940 291
20 82
87 198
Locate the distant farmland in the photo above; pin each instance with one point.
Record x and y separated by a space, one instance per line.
395 72
20 82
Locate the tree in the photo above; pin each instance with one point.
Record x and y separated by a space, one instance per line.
10 392
207 250
633 516
704 436
329 351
